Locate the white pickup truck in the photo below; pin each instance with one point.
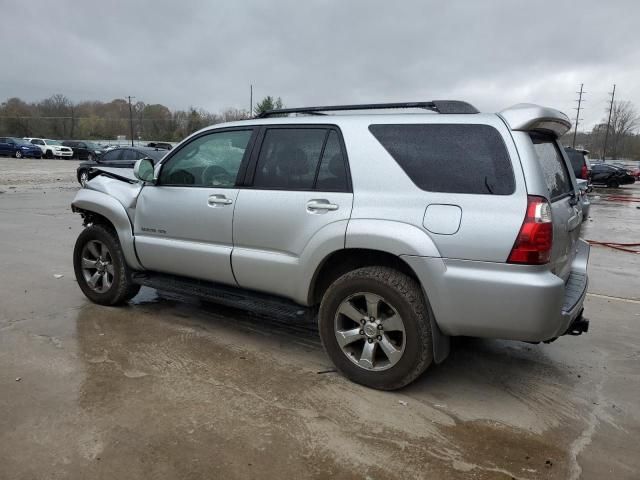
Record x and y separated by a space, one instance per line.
51 148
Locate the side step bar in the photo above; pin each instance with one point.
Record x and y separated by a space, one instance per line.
250 300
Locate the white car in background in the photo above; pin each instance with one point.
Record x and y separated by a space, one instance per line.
51 148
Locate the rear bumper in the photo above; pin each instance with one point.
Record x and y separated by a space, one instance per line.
499 300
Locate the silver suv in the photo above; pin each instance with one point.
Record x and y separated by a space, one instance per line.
399 230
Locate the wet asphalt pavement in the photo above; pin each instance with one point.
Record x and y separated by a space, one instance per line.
172 387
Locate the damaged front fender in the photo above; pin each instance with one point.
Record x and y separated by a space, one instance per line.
91 200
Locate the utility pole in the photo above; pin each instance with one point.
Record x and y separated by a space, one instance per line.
578 113
606 135
131 118
250 100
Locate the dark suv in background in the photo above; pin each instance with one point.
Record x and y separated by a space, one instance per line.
83 150
579 162
124 157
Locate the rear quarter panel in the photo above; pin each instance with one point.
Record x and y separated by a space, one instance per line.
489 223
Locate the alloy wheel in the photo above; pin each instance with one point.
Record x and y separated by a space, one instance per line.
97 266
370 331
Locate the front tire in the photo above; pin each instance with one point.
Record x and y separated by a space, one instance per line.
18 154
614 184
375 326
48 154
100 267
83 178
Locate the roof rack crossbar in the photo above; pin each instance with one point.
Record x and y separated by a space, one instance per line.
438 106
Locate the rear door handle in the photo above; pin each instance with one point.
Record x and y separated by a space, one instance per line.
322 204
219 200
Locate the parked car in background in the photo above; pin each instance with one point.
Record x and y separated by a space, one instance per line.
83 150
163 145
610 175
636 172
51 148
120 157
579 162
19 148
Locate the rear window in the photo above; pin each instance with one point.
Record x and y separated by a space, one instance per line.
450 158
556 175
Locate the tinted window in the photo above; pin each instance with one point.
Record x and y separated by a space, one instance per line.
577 160
129 154
450 158
289 158
332 175
556 175
111 155
211 160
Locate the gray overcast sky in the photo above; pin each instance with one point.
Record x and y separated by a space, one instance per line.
206 53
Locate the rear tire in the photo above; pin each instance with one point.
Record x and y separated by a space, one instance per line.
100 268
399 340
18 154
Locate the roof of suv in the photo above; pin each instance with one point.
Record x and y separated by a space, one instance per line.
525 117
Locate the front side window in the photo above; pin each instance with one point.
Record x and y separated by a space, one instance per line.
450 158
554 169
289 158
211 160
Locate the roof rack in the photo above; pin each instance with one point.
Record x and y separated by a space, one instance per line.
438 106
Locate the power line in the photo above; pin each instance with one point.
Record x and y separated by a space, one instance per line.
606 135
580 93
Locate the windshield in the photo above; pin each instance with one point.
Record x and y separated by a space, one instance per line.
93 146
53 142
20 141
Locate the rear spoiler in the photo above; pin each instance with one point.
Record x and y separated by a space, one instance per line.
534 118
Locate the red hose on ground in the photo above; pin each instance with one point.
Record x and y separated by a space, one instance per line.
613 198
617 246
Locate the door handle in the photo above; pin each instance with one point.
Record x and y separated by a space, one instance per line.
215 200
321 205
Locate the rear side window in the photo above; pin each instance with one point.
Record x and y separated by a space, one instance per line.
554 169
332 174
450 158
289 158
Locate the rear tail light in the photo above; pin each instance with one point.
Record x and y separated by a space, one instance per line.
534 241
584 173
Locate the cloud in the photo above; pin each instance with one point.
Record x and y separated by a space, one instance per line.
205 54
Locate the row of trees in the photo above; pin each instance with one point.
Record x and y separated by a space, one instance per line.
59 118
622 139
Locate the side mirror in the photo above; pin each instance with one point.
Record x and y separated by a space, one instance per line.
143 170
